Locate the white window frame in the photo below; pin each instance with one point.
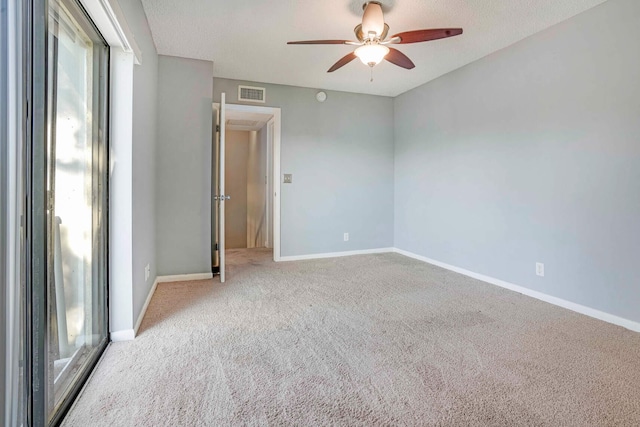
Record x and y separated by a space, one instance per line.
124 54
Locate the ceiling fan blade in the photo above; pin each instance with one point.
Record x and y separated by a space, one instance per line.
320 42
418 36
400 59
342 62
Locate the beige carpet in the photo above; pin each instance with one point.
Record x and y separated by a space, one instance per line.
363 340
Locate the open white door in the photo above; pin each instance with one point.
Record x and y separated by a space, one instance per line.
219 196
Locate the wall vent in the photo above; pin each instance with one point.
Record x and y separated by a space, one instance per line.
252 94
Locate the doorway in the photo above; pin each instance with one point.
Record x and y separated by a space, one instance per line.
248 180
250 139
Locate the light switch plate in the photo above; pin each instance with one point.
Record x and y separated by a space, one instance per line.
288 178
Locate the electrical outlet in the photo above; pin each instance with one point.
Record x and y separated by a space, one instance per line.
346 237
539 269
147 272
288 178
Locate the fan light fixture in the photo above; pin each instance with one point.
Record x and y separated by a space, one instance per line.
372 40
371 54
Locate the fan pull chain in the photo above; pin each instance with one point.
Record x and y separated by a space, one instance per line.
371 81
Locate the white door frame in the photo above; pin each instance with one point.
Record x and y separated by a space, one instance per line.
276 112
269 185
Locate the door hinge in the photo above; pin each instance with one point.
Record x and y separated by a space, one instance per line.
217 128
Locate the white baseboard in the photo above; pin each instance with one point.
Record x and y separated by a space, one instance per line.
588 311
124 335
184 277
145 306
336 254
130 334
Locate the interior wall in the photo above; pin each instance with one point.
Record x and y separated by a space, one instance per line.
145 105
236 173
183 166
256 189
531 155
340 153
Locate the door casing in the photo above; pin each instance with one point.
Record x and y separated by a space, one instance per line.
275 178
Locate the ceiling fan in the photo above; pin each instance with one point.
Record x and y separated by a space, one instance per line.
373 42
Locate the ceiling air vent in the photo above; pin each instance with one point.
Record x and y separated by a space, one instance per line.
252 94
243 123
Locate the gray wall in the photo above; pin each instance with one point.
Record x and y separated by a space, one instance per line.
183 166
340 153
532 154
236 165
145 102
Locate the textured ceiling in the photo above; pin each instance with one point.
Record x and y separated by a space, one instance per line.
246 39
256 120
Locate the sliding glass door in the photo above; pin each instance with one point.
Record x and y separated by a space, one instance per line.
76 202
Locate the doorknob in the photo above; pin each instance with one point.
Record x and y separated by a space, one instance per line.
222 197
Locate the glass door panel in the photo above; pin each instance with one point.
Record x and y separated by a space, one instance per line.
77 197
